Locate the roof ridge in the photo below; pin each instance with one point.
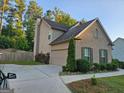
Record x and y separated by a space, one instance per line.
55 22
56 25
118 39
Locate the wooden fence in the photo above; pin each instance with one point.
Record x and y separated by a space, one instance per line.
16 56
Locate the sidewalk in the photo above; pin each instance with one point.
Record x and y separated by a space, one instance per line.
72 78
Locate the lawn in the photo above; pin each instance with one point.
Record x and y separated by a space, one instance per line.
21 62
104 85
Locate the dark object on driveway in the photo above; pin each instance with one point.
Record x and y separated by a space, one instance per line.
3 79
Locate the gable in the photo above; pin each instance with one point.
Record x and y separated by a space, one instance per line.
96 25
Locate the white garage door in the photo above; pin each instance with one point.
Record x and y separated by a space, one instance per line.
59 57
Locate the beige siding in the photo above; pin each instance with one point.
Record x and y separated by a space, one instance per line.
44 42
60 46
41 37
88 40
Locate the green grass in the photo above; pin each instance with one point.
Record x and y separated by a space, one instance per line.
104 85
21 62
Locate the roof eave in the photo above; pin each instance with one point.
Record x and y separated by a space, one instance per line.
64 41
59 42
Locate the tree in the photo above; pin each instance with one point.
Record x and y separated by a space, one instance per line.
14 19
12 31
20 8
60 17
21 43
49 15
3 8
71 64
31 15
5 42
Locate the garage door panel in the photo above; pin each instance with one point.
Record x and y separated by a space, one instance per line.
59 57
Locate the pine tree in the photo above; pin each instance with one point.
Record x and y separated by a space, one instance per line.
71 64
3 8
33 11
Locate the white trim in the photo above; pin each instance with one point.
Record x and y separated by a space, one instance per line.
75 25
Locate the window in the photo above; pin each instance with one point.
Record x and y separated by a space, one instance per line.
49 37
87 54
103 55
96 33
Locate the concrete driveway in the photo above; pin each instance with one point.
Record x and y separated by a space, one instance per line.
36 79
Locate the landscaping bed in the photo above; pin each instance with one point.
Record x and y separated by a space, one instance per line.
81 73
85 67
104 85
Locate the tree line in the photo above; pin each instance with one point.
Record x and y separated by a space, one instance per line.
17 22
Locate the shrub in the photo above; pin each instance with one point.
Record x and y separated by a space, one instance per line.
71 64
121 65
64 69
96 66
5 42
115 60
43 58
114 66
109 66
93 80
102 67
20 43
13 42
83 65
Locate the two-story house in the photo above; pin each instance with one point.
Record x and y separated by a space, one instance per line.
91 41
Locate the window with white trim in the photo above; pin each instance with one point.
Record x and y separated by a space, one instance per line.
87 54
103 56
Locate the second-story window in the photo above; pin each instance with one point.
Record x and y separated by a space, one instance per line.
49 37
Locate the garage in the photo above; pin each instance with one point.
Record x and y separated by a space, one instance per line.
58 57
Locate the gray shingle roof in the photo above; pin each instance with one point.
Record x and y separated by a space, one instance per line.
57 26
72 32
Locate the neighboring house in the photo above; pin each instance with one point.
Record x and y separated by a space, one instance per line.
118 49
91 41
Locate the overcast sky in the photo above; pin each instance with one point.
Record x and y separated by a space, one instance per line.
110 12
